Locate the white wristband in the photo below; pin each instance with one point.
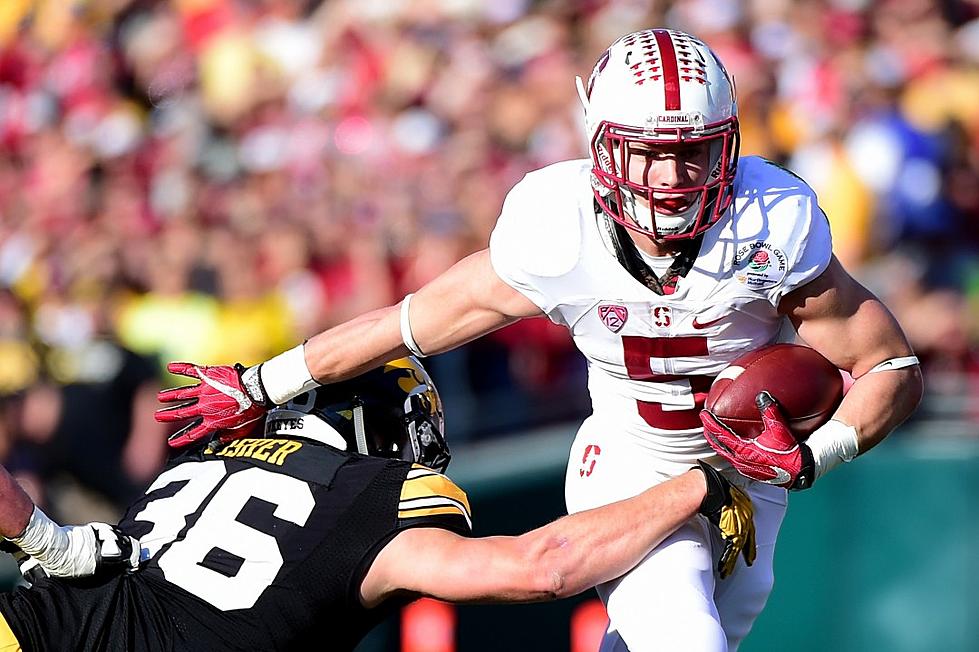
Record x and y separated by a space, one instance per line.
41 535
286 376
406 335
832 444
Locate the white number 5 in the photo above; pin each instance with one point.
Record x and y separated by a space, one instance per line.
217 527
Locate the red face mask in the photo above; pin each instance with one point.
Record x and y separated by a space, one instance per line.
677 201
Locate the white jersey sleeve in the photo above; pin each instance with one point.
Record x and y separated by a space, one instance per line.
537 239
784 234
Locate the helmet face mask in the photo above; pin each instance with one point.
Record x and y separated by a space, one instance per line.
393 411
634 203
655 91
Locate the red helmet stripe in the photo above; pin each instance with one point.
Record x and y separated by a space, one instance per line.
671 75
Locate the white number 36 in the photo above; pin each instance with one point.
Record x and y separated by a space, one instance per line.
217 528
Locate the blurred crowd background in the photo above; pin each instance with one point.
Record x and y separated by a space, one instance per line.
215 180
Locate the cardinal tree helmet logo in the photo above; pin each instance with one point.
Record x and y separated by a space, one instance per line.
613 316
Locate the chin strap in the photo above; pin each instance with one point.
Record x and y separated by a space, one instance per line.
628 255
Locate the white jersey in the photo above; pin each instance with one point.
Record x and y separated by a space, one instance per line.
652 358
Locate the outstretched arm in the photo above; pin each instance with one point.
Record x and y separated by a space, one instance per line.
557 560
465 302
62 551
468 300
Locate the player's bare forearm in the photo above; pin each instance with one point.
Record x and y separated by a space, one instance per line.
355 346
879 402
851 327
580 551
464 303
557 560
15 506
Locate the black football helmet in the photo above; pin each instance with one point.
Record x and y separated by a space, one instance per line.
392 411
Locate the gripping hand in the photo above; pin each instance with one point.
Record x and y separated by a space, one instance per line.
48 549
219 400
774 456
731 511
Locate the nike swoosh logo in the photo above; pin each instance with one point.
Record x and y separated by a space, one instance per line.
698 325
781 476
243 401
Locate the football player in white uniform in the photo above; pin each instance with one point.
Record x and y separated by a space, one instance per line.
666 256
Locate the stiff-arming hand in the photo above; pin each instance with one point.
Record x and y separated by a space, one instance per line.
219 401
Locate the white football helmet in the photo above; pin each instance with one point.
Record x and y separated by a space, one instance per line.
653 87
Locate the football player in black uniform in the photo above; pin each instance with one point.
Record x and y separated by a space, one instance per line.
337 516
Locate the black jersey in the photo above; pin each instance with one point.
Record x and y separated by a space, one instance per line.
259 545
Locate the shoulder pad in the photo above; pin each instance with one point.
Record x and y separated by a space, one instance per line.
782 237
427 495
539 229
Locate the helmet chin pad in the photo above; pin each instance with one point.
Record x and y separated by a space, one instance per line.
664 225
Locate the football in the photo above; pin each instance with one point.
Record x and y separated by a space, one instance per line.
807 386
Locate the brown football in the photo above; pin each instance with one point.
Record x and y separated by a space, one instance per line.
807 386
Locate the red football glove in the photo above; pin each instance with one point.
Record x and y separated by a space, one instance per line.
219 401
774 456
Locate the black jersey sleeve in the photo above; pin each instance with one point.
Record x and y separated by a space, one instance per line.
430 499
424 498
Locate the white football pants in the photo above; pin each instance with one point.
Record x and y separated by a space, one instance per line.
674 599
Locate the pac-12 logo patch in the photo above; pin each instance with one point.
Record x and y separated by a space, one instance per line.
613 316
759 265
